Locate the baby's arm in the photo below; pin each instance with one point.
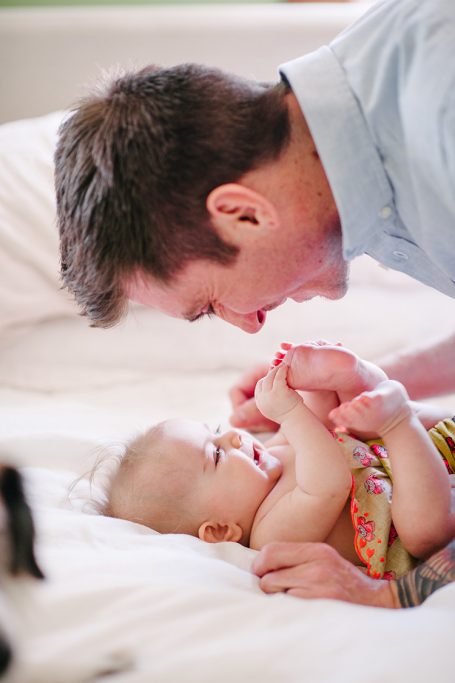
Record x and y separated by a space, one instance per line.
421 499
310 510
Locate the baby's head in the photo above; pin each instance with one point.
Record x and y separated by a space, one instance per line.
182 477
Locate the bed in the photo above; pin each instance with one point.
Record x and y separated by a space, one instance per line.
121 602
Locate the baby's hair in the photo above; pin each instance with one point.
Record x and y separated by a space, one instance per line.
88 492
143 487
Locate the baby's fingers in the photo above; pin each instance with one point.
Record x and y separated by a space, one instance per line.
269 379
288 351
279 376
266 383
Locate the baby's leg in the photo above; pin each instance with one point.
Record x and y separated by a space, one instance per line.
421 501
374 413
314 367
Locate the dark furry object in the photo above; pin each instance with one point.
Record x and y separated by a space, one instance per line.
17 533
20 525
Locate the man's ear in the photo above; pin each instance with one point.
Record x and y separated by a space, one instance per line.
215 532
235 208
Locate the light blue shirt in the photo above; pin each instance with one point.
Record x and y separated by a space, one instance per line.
380 104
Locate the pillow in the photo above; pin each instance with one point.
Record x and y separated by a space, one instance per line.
29 265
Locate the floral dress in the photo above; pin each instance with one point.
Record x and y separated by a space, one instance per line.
376 542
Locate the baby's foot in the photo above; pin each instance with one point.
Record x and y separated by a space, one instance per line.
321 366
374 413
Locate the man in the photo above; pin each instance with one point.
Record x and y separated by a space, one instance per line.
196 192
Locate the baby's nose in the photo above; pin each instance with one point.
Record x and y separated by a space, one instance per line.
236 439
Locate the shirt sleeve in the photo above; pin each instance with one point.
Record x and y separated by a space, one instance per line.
426 95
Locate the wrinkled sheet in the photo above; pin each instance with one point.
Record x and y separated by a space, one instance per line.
172 608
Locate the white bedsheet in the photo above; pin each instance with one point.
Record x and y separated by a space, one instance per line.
172 608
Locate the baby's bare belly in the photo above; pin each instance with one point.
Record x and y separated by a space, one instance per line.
342 536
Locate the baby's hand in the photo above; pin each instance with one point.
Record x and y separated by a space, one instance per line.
274 398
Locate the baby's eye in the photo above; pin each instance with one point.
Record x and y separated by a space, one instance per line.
217 455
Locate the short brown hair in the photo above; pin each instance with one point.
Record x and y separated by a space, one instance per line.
134 165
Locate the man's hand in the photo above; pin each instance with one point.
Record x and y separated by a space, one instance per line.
274 398
316 570
245 412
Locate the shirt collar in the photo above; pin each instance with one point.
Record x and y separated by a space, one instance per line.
350 158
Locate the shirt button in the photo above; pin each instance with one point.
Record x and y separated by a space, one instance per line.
385 212
400 255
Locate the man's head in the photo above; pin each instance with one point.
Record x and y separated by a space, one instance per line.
135 165
183 477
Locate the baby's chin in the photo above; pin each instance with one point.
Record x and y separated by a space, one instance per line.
271 466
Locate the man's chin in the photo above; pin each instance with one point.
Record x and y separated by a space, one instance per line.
332 293
337 293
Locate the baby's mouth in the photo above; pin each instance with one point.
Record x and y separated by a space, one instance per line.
256 455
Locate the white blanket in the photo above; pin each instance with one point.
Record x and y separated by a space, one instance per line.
172 608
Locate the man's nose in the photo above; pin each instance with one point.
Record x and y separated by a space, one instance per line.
248 322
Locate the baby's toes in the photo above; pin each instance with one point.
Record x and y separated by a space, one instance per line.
341 415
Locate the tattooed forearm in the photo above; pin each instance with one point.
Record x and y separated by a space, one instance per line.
421 582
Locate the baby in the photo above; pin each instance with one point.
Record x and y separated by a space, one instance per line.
307 483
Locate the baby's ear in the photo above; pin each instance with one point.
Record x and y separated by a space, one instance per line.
215 532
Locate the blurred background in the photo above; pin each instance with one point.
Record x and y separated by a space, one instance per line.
43 3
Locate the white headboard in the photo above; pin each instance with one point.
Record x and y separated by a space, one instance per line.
49 55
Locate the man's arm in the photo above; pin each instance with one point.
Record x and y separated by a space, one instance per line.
425 370
438 571
315 570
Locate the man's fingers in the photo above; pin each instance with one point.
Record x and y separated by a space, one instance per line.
246 413
238 395
304 577
280 555
300 593
244 388
248 416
